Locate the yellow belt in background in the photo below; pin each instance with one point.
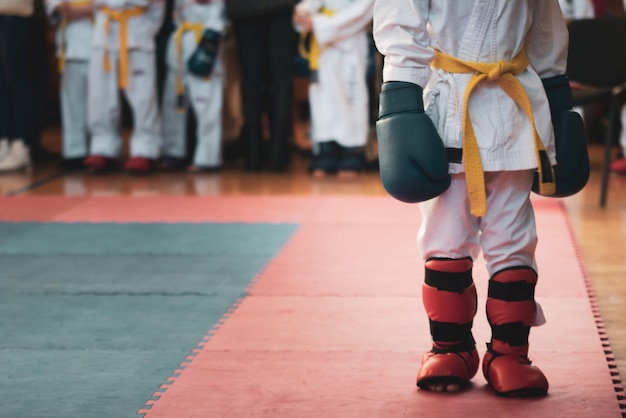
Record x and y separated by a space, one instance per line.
504 73
184 27
312 54
62 27
122 17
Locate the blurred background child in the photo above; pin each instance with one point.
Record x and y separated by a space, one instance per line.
73 20
123 58
194 81
338 94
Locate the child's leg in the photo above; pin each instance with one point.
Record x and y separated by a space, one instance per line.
145 141
508 240
104 107
323 131
74 109
344 76
448 241
449 297
511 312
174 119
206 98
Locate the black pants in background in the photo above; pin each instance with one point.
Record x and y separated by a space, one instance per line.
23 77
267 48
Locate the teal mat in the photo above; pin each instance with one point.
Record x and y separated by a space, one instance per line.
95 317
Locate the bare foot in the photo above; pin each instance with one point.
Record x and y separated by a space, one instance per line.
443 387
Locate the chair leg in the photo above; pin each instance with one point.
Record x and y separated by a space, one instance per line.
614 107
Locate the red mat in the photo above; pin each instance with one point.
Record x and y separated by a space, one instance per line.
334 326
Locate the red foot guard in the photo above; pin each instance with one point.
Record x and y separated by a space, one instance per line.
514 376
447 368
511 312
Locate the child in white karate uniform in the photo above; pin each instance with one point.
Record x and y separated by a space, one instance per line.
74 24
338 94
200 25
473 106
123 58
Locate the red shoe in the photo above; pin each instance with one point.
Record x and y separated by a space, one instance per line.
619 166
98 164
513 376
140 165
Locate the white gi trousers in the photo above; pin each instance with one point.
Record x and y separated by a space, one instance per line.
105 108
506 234
339 100
74 108
205 97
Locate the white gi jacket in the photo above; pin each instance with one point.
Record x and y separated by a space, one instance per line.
212 15
141 29
76 35
339 100
406 32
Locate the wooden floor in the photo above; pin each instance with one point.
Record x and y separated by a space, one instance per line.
600 232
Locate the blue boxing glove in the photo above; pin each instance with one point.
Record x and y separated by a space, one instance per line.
202 61
572 159
412 157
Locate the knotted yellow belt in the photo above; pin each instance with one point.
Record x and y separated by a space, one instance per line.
313 53
62 28
198 29
122 17
504 72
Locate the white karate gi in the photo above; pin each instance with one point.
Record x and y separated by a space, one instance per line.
104 100
339 98
577 9
406 33
204 95
74 40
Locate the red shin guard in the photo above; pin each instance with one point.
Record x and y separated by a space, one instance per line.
449 298
511 312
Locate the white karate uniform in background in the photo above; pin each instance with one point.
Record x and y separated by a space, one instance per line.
74 39
339 97
203 95
406 33
141 93
577 9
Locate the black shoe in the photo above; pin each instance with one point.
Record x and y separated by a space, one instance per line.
42 155
172 163
202 169
352 160
73 164
326 160
279 164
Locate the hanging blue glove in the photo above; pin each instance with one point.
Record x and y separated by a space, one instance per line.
412 158
202 61
572 159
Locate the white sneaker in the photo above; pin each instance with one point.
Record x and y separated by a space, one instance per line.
4 147
18 157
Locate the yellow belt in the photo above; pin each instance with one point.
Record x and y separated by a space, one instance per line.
504 73
122 17
184 27
62 28
313 53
